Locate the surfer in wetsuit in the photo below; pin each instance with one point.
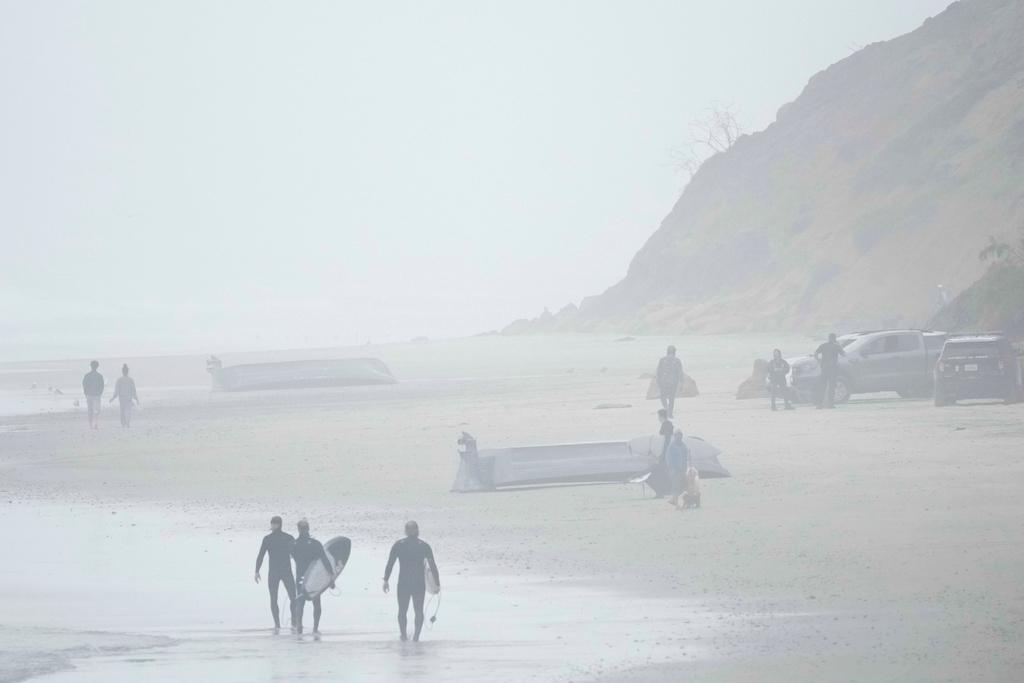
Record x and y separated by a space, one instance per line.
278 545
305 551
410 553
669 375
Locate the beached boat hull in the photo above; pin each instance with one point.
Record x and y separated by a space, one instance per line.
301 374
606 461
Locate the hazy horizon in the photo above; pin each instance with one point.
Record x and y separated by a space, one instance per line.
183 177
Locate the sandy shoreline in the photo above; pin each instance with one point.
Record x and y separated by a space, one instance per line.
880 540
184 607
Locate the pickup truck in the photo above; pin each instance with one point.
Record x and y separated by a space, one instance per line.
884 360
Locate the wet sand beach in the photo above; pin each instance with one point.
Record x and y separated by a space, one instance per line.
878 541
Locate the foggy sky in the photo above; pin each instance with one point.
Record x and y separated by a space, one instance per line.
193 176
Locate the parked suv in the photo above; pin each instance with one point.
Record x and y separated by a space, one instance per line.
884 360
978 366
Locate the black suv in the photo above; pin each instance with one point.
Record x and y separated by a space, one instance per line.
978 366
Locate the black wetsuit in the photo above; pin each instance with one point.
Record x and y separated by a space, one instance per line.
278 545
669 374
305 551
410 553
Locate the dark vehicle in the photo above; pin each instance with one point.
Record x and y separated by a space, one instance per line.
978 366
887 360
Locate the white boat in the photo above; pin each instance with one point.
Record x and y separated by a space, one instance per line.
299 374
574 463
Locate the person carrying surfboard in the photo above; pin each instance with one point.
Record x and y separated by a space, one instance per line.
278 545
306 551
411 553
669 375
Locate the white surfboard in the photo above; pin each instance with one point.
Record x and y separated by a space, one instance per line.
433 585
317 578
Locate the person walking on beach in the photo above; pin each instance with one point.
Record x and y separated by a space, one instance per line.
305 552
278 545
411 553
124 391
778 369
828 358
668 375
678 459
92 387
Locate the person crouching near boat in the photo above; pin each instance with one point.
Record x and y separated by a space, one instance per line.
678 459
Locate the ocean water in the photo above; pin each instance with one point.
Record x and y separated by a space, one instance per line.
119 592
31 652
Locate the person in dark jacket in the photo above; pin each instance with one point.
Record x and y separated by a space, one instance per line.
668 376
278 546
828 358
305 552
411 553
778 370
659 478
92 387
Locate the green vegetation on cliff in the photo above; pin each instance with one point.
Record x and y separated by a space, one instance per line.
995 302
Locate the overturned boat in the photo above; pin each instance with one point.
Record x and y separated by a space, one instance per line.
299 374
598 462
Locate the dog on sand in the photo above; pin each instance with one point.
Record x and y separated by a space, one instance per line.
691 494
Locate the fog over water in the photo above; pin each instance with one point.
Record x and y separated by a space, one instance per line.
181 176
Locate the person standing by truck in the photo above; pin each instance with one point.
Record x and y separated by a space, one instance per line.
778 369
827 356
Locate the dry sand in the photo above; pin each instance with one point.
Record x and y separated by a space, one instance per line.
879 541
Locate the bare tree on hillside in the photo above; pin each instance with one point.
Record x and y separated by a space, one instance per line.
1004 251
709 135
